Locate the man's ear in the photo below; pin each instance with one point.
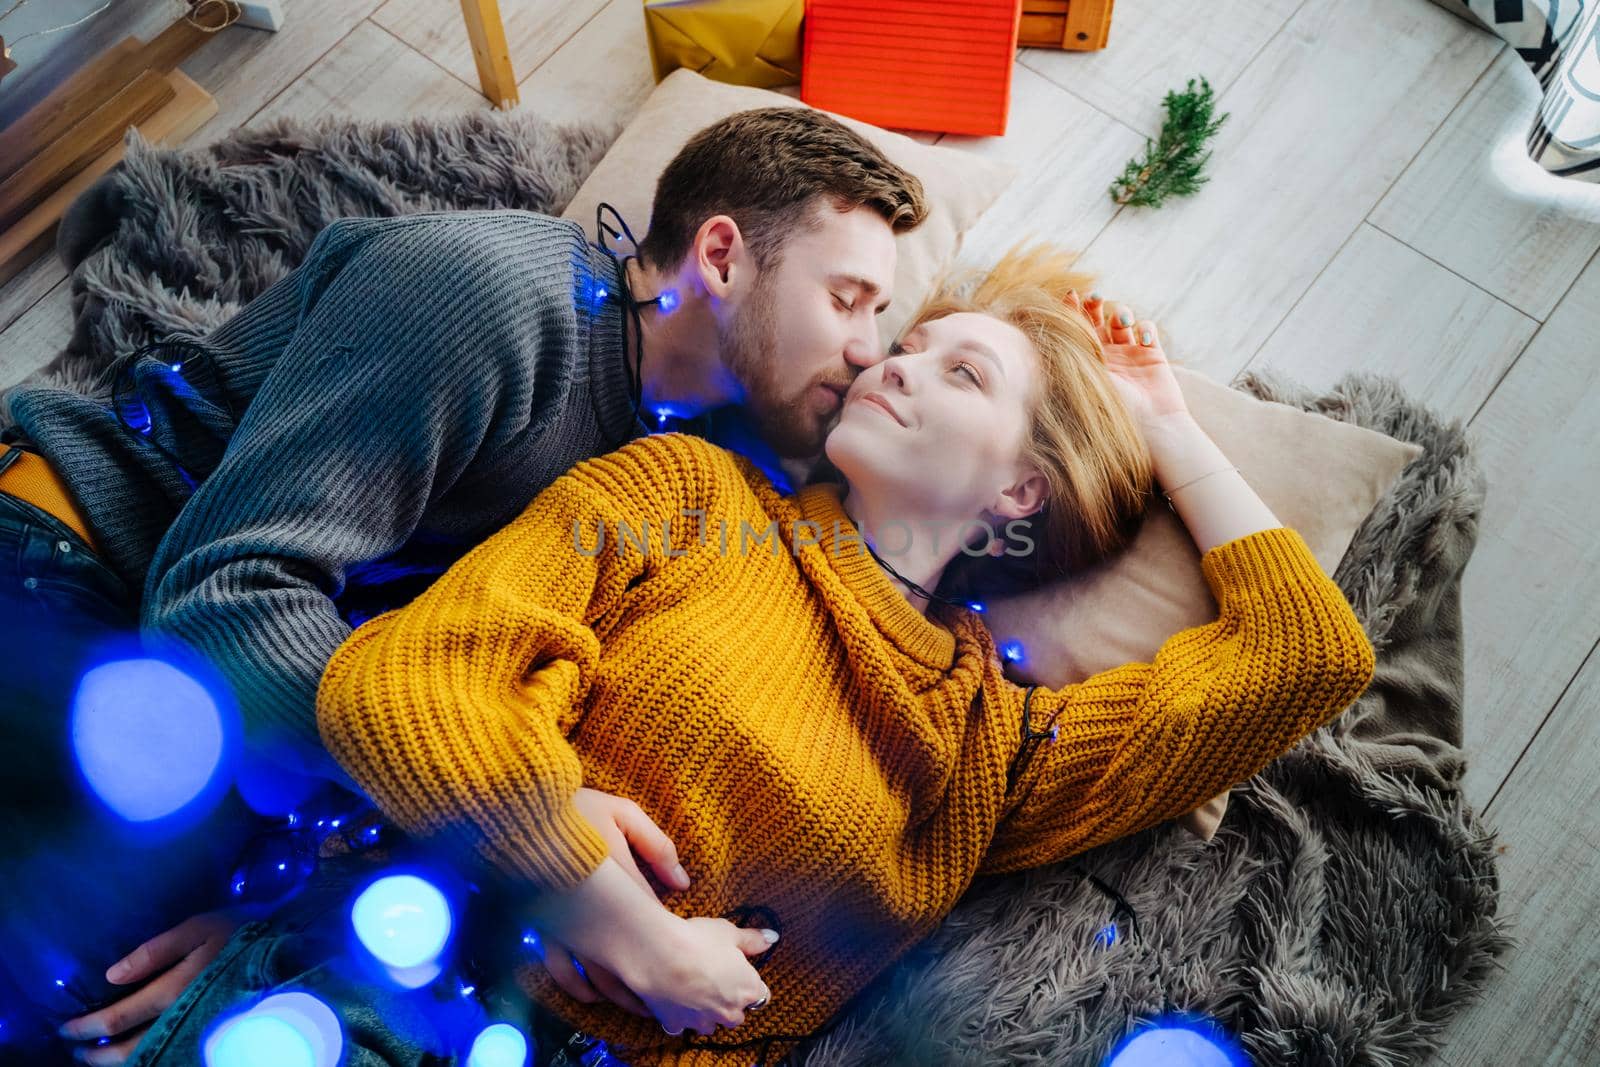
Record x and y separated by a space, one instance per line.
719 255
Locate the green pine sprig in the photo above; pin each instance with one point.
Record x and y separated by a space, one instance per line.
1171 166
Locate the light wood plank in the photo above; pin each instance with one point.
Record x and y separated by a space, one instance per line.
1154 46
1546 1008
371 75
601 75
1383 307
1475 202
1066 153
1531 594
1323 129
534 29
29 286
37 336
245 68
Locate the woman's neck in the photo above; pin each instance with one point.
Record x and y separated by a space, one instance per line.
915 542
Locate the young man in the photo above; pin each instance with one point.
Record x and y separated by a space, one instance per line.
407 390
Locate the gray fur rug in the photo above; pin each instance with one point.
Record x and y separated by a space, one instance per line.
1346 907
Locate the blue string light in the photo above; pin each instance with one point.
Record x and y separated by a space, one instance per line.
975 606
291 1029
1011 651
498 1045
667 301
1192 1040
403 921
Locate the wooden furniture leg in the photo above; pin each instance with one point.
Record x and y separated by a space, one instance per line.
490 52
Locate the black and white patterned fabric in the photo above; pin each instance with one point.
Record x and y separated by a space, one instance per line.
1560 42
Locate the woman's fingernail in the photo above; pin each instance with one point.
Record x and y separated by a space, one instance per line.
1144 337
1094 297
118 971
681 875
1125 318
771 936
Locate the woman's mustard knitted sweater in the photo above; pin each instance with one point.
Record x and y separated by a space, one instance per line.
813 744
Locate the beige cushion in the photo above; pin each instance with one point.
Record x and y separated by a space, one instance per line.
1318 475
959 185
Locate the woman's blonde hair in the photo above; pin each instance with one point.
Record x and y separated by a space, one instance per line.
1081 436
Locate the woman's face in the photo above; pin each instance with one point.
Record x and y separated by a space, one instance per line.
942 420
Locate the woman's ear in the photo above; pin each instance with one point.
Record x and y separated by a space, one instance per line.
719 254
1023 497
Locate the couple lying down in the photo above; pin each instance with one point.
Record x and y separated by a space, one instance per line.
830 747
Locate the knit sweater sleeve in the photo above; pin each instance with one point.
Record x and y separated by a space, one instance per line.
398 374
454 712
1145 742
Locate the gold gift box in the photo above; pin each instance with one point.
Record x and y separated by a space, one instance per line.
741 42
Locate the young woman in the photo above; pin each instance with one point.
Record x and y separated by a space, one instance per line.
835 753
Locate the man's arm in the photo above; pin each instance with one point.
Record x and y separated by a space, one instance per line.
393 381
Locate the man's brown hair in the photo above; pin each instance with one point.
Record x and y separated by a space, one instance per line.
769 170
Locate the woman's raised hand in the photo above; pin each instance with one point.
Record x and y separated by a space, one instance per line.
1133 353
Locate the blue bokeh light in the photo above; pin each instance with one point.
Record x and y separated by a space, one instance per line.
292 1029
498 1045
252 1040
1011 651
1178 1042
403 920
147 736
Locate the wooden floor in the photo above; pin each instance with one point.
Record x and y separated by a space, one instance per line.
1369 208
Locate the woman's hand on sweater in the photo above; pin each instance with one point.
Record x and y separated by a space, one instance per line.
690 974
627 830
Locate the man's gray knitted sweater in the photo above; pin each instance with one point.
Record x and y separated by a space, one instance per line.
401 395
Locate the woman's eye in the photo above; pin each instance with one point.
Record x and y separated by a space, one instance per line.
971 373
837 299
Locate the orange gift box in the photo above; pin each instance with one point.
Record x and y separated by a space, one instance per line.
937 65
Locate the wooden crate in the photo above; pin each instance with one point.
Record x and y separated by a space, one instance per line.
1078 25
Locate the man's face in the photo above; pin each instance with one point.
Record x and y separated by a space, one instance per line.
808 326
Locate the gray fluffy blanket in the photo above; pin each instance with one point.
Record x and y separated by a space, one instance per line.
1347 905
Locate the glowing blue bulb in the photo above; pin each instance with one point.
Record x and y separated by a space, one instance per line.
531 939
975 606
499 1045
283 866
61 983
1107 935
1167 1045
176 367
294 819
467 990
1012 651
599 292
252 1040
402 920
284 1030
668 301
132 715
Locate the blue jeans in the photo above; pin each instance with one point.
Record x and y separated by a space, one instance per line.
78 888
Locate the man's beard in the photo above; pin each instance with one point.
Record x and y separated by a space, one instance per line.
750 350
